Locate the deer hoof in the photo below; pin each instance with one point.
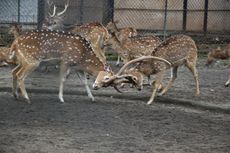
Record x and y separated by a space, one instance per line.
28 101
16 96
149 102
62 100
93 99
161 93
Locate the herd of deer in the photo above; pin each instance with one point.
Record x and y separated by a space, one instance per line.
84 46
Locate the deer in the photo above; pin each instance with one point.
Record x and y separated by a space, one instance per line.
15 29
96 33
33 47
4 61
55 19
121 34
177 50
219 53
133 47
93 32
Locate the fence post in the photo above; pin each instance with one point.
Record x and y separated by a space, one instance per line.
185 7
165 17
19 14
40 13
81 11
205 16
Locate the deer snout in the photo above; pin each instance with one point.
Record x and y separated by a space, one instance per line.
95 86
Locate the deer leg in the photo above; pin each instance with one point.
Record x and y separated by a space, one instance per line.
90 95
172 79
156 86
64 70
228 82
21 75
192 68
15 83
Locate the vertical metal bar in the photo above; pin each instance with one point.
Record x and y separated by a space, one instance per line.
185 7
205 16
19 14
81 11
40 13
165 17
111 9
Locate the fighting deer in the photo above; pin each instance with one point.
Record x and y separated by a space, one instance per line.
219 53
177 50
33 47
122 34
133 47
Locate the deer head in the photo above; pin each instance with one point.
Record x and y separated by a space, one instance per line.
131 76
15 29
55 19
212 55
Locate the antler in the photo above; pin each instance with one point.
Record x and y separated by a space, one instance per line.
66 6
118 74
141 59
55 8
50 3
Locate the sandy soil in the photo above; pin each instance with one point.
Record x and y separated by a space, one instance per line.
114 123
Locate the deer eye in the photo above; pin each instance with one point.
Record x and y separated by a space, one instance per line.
135 78
106 78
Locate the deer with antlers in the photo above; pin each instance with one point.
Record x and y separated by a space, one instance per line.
176 51
55 19
95 32
33 47
219 53
133 47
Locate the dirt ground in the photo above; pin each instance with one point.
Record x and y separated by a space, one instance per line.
116 122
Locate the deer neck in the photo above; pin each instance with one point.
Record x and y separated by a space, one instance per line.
89 60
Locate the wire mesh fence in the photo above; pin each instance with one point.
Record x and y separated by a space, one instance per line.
161 17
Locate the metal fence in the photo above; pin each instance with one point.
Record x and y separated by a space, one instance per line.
158 16
206 16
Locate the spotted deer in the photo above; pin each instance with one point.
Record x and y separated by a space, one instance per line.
96 33
4 52
177 50
133 47
219 53
33 47
15 29
55 20
122 34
